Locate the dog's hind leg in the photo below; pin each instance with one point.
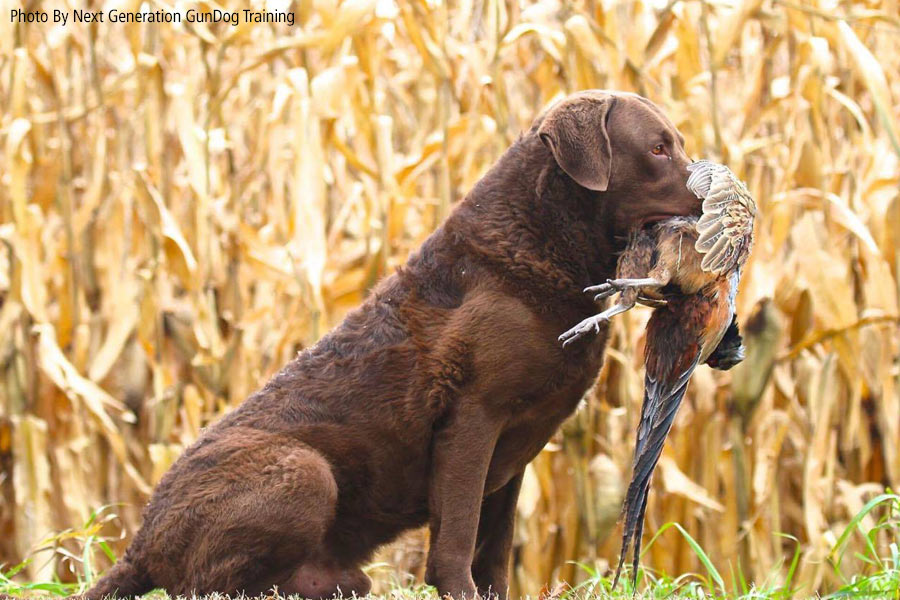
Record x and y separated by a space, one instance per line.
265 525
278 522
123 580
236 513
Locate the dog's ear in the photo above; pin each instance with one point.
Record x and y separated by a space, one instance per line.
576 133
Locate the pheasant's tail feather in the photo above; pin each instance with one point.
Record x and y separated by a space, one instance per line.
636 559
664 387
632 531
625 544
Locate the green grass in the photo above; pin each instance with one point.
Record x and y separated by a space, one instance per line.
875 574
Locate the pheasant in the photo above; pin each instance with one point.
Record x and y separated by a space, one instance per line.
690 269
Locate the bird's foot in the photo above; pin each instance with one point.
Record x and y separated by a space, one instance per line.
604 290
585 326
583 329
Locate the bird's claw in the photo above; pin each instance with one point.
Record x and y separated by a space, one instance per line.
604 294
594 322
583 328
605 290
602 290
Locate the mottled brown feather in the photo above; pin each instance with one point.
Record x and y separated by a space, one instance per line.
725 230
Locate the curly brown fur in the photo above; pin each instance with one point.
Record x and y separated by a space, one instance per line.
425 405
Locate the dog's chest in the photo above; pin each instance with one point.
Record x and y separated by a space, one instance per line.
536 420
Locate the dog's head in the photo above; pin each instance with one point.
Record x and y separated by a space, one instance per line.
622 145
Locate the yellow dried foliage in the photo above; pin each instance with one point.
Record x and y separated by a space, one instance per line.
182 208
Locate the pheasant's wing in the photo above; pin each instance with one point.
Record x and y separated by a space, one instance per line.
701 177
725 229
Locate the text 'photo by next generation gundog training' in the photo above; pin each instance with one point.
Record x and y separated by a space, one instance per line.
467 300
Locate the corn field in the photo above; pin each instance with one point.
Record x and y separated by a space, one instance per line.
185 207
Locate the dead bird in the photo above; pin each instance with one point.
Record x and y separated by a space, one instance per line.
661 256
694 267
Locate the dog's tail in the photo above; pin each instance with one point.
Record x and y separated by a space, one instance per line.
123 581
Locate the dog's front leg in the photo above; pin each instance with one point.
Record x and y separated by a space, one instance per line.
495 533
461 456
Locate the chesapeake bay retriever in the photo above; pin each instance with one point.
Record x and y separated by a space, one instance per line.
426 403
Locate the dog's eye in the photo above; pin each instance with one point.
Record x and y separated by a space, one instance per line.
658 149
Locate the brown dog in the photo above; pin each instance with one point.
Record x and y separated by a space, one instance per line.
427 402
